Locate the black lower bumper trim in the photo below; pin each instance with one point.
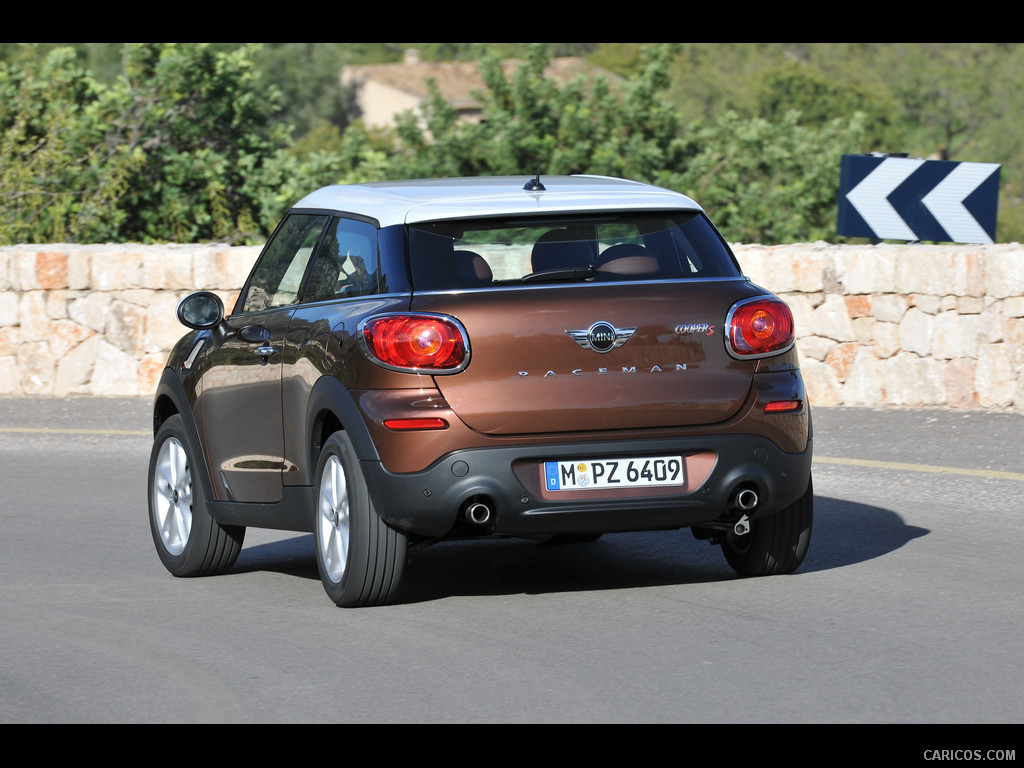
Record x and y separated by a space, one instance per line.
429 503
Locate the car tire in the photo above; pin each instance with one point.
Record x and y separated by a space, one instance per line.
360 558
188 540
775 544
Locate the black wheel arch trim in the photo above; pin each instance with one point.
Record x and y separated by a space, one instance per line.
329 395
170 399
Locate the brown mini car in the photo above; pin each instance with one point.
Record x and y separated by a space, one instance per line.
548 358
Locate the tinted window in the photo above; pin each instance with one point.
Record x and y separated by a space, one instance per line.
277 277
629 246
346 264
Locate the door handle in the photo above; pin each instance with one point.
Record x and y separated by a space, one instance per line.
265 351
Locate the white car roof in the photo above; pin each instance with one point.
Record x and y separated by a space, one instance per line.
417 200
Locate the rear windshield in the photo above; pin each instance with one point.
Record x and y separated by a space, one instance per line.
479 253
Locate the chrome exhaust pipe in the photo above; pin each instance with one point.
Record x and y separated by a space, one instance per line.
745 499
477 513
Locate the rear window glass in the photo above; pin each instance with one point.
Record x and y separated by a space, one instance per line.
480 253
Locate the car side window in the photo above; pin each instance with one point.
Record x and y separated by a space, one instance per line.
346 264
277 278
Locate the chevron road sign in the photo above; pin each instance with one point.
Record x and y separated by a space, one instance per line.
900 198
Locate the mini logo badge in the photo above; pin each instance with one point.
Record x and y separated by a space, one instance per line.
602 337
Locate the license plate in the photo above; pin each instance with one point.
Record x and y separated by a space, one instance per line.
590 474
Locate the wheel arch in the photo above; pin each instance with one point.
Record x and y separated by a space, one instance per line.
172 399
164 406
331 408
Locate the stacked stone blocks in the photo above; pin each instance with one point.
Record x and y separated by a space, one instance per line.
99 320
877 325
903 325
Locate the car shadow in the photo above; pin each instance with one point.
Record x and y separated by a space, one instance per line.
845 533
291 556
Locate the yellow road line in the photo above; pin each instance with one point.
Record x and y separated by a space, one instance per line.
928 468
989 473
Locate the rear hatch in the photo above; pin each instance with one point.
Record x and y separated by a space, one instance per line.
538 365
585 320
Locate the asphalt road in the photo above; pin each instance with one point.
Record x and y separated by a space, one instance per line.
907 610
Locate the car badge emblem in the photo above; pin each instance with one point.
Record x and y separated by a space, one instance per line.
602 337
704 329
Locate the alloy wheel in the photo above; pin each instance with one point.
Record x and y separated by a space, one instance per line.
172 496
333 520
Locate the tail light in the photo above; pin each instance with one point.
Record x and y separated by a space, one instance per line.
415 342
758 327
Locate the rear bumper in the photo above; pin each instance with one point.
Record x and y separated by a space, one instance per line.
509 482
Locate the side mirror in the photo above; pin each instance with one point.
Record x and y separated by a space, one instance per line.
200 311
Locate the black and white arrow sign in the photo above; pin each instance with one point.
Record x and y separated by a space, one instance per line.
899 198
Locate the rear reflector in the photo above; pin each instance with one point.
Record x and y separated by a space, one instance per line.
406 424
782 406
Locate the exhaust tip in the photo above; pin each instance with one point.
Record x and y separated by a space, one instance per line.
477 512
746 499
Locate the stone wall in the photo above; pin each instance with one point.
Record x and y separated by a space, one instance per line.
903 325
99 320
884 325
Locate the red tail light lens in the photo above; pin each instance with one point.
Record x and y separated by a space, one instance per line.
415 342
760 326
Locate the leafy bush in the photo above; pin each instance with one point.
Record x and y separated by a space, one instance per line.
187 143
172 151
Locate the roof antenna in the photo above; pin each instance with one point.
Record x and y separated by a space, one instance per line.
534 185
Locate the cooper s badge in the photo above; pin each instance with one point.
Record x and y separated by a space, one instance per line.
685 329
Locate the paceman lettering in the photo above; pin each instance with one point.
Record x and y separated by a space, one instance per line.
629 370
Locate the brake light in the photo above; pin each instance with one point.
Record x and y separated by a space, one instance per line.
759 326
409 342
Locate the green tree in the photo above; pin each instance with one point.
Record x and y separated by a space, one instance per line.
117 141
179 148
470 51
820 99
305 77
588 125
357 156
62 174
949 91
770 182
710 79
763 180
204 126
